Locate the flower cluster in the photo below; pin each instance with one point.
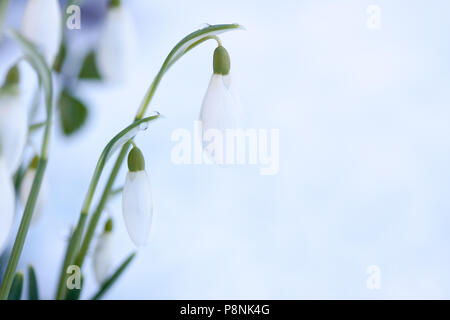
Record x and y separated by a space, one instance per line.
22 175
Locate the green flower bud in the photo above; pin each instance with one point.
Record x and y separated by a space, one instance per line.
12 78
221 61
114 3
109 225
136 160
34 162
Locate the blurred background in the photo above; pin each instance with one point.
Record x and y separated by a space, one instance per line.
364 173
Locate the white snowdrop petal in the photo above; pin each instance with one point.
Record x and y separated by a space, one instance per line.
218 106
13 130
137 206
25 189
7 205
221 110
117 45
103 257
42 24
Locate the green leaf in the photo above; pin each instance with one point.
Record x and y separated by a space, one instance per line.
89 68
33 291
111 280
73 113
15 293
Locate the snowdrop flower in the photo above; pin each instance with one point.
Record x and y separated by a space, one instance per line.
42 25
117 44
7 204
221 108
13 122
25 189
103 254
137 206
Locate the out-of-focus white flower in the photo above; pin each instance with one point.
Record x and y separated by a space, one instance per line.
13 122
7 204
42 25
104 254
137 204
221 108
25 189
117 44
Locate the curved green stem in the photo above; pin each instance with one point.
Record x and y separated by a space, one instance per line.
186 44
38 63
97 213
120 140
3 7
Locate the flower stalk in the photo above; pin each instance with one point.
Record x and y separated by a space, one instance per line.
120 140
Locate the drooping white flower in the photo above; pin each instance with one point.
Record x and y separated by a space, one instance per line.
42 25
221 108
137 204
104 254
13 122
25 189
7 204
117 44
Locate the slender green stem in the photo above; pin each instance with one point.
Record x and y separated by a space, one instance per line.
38 63
3 7
22 233
181 48
97 213
70 255
109 282
36 126
116 192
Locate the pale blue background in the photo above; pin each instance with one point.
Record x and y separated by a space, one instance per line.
364 157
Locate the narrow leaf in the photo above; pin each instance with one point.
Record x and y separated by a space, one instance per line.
15 293
33 291
111 280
